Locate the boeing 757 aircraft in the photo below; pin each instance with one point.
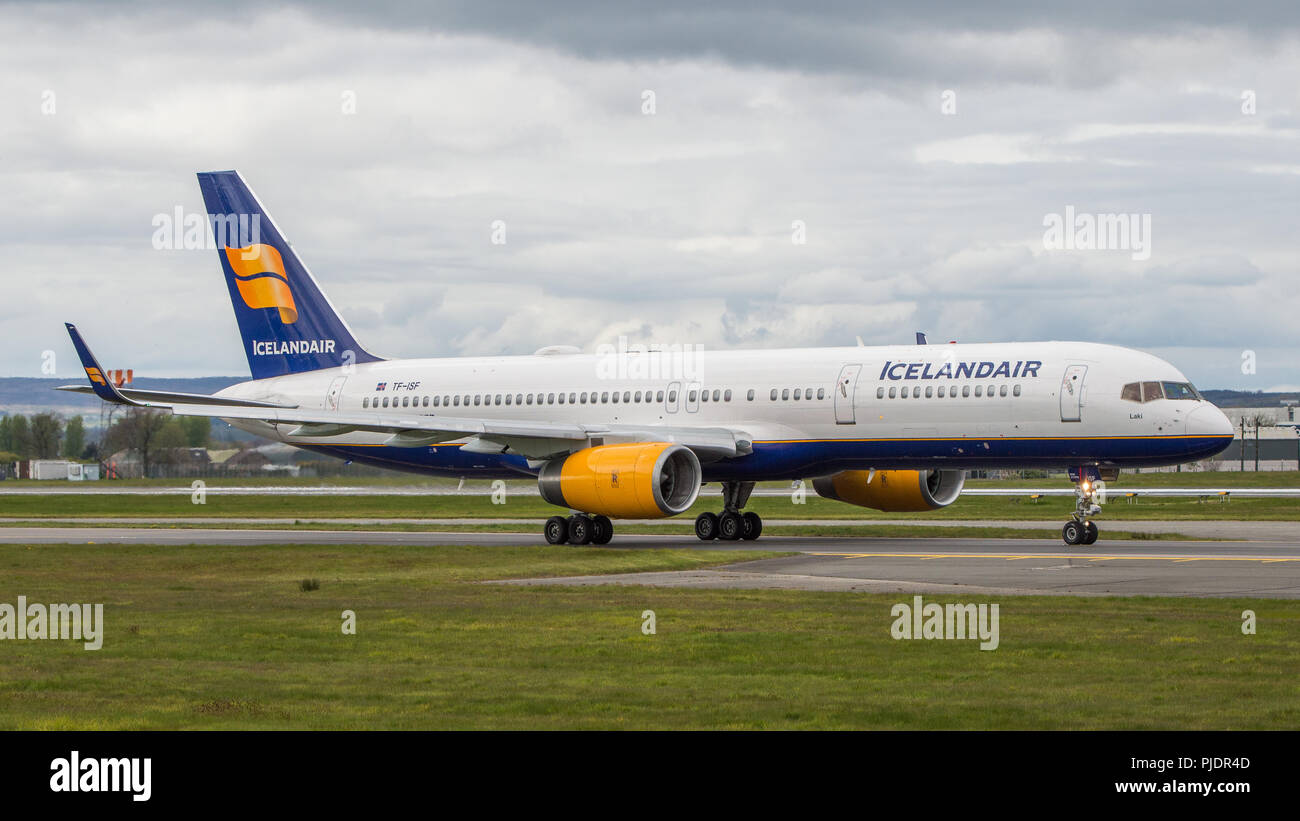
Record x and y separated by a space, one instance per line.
891 428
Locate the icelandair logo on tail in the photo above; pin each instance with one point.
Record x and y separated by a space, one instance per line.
262 282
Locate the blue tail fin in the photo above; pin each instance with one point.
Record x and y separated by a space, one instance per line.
288 324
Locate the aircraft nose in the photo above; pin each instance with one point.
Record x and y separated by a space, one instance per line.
1208 421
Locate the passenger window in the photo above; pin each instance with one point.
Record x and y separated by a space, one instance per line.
916 392
659 397
1015 391
1151 391
942 388
929 391
508 398
550 399
750 395
785 394
880 393
773 396
797 392
365 402
627 396
807 392
716 394
704 396
979 390
636 397
1002 390
726 395
965 391
672 397
821 393
990 391
690 397
893 393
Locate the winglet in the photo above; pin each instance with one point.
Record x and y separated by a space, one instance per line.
99 382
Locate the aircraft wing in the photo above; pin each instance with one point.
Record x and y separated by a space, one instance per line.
531 439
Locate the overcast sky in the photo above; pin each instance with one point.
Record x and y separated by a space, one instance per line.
673 226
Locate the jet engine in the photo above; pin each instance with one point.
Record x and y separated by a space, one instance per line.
893 491
642 480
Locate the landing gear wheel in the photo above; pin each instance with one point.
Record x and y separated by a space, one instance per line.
579 529
1090 533
730 526
1072 533
706 526
602 530
753 526
556 530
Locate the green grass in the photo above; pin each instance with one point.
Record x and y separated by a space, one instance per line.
666 527
225 637
1055 509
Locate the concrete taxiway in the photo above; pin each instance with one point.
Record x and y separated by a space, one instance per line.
977 566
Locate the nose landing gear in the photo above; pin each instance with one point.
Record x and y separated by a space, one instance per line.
1081 529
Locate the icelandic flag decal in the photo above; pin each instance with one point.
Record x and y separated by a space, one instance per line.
381 386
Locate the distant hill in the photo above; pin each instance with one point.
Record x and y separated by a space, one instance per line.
1249 399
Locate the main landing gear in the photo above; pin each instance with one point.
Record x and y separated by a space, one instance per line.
730 525
1081 529
579 529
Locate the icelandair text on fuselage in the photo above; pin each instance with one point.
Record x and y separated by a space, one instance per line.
295 346
1022 369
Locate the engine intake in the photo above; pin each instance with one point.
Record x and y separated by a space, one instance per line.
893 491
644 480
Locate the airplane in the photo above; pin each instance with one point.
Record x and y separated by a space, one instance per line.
634 433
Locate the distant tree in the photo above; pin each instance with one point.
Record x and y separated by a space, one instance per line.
47 432
137 429
74 439
197 430
20 441
6 434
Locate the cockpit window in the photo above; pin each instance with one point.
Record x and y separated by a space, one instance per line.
1150 391
1180 390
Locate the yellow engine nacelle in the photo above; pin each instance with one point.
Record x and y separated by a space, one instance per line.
893 491
642 480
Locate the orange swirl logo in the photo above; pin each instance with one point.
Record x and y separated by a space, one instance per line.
262 282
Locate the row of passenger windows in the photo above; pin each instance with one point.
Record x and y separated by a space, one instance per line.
582 398
950 391
1149 391
573 398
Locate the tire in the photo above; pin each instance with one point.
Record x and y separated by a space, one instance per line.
602 530
753 526
580 528
1072 533
1090 533
706 527
730 526
556 530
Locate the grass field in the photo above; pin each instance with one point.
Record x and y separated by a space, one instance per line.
214 637
1051 509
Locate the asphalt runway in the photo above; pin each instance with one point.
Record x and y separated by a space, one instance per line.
978 566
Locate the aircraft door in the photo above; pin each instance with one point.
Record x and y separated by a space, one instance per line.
845 392
1072 393
334 393
671 397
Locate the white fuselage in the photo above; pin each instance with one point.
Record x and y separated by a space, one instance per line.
1033 404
